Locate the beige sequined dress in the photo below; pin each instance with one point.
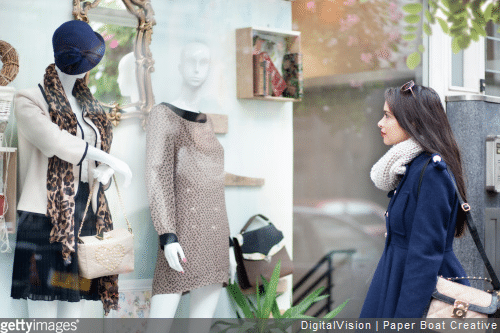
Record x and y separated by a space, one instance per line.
185 183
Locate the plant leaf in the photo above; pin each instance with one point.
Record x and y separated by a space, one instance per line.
427 29
409 37
410 28
275 309
478 28
444 25
421 48
454 46
474 35
488 11
299 309
464 41
430 18
412 19
270 296
413 8
240 299
335 311
413 60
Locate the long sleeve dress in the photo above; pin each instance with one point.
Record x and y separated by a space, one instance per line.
185 184
419 244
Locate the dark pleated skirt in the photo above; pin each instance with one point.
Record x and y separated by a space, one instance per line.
39 271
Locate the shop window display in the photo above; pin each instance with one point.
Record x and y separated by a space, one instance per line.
327 137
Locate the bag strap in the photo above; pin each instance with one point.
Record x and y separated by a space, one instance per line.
470 224
90 199
250 220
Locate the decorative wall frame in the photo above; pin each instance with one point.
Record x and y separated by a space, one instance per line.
144 13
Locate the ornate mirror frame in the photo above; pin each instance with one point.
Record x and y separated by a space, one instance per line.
144 13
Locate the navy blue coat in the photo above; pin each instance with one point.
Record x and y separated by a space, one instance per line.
418 246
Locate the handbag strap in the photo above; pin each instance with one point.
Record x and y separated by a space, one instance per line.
90 199
250 220
470 224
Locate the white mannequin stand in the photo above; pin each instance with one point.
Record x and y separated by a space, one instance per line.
103 173
194 67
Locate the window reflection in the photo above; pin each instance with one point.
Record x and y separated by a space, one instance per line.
352 51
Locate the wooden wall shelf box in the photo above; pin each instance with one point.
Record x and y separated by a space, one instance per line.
244 59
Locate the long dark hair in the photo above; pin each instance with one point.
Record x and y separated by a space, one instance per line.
420 113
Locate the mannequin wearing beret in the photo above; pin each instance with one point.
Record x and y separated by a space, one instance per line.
64 141
178 134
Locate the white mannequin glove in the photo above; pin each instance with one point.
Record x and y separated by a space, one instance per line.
103 173
172 252
232 265
117 165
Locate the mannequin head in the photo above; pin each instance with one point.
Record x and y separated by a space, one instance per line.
77 48
127 81
194 64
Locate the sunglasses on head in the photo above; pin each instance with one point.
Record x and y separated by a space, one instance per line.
408 86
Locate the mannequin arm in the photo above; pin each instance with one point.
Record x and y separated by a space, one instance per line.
172 252
114 163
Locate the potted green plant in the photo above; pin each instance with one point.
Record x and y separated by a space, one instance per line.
265 306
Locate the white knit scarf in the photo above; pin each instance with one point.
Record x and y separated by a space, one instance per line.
386 173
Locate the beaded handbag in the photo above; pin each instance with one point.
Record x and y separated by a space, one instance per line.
109 253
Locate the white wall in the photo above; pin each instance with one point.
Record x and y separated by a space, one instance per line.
259 141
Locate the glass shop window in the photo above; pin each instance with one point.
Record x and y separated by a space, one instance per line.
352 52
492 61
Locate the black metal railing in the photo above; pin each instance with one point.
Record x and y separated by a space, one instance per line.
327 275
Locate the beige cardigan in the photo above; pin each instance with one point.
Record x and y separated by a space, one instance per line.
38 139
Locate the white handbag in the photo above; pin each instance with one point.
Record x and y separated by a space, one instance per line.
108 254
455 300
451 299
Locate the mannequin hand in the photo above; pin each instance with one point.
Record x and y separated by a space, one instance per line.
172 253
103 173
232 265
116 164
123 168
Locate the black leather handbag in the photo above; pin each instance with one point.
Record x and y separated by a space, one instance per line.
258 251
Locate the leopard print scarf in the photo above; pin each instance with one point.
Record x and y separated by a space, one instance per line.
61 181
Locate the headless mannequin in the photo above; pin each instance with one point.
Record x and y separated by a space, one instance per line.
103 173
194 67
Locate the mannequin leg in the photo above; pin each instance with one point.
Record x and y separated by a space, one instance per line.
70 309
204 301
202 305
42 309
163 306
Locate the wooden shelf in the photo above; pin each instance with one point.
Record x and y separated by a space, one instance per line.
220 122
234 180
244 59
